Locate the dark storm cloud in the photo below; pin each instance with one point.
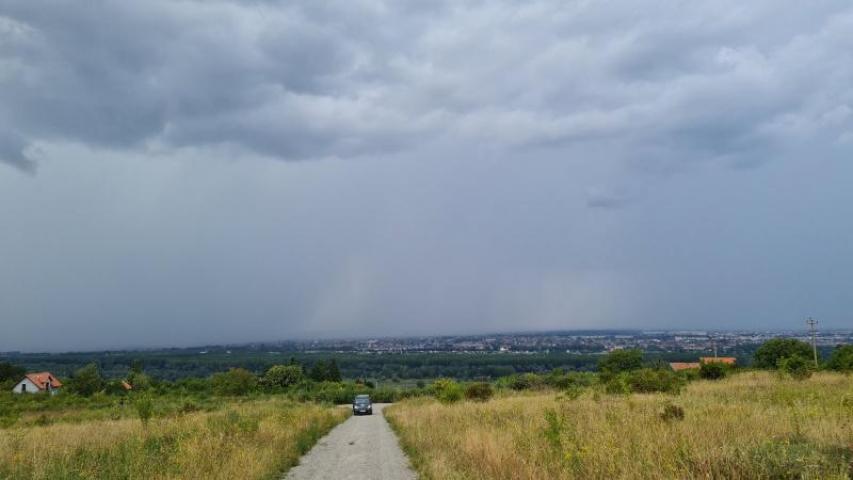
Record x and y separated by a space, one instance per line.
520 164
301 81
12 147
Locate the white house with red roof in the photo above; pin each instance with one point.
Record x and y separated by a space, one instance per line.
38 382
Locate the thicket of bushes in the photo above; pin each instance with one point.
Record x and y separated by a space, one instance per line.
620 372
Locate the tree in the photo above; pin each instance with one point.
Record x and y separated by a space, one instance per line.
325 371
87 380
136 365
283 376
841 359
138 380
772 351
318 371
9 372
237 381
333 373
619 361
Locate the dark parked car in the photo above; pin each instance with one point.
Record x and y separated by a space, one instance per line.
362 405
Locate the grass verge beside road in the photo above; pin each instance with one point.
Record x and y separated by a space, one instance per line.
249 440
750 426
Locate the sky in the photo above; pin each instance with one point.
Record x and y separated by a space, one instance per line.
191 172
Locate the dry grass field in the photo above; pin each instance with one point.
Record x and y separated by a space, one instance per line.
748 426
250 440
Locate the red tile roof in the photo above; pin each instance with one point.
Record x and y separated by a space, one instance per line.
40 379
726 360
683 365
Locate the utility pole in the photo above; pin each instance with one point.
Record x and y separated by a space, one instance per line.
811 323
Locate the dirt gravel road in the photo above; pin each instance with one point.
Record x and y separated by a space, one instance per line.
361 448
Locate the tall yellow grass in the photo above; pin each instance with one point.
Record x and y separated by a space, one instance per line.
749 426
251 440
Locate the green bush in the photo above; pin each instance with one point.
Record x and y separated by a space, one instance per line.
479 392
237 381
86 381
648 380
841 359
553 429
283 376
617 385
619 361
524 381
447 390
797 367
562 380
144 408
713 370
772 351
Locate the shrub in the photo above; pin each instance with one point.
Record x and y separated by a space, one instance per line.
617 385
87 381
479 392
447 390
237 381
189 406
139 381
797 367
573 392
671 412
620 361
524 381
283 376
144 408
772 351
562 380
554 425
841 359
713 370
647 380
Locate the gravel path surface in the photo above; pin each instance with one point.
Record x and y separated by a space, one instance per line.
362 448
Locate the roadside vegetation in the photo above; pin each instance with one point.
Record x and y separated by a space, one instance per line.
558 423
255 439
752 425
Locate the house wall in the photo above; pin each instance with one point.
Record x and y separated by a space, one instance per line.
31 387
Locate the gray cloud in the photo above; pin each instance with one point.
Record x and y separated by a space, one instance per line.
602 197
349 78
485 166
12 152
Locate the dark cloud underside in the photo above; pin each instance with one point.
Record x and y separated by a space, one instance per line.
465 165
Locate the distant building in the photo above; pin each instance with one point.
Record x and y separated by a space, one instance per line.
38 382
678 366
726 360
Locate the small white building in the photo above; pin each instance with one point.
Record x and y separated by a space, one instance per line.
38 382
